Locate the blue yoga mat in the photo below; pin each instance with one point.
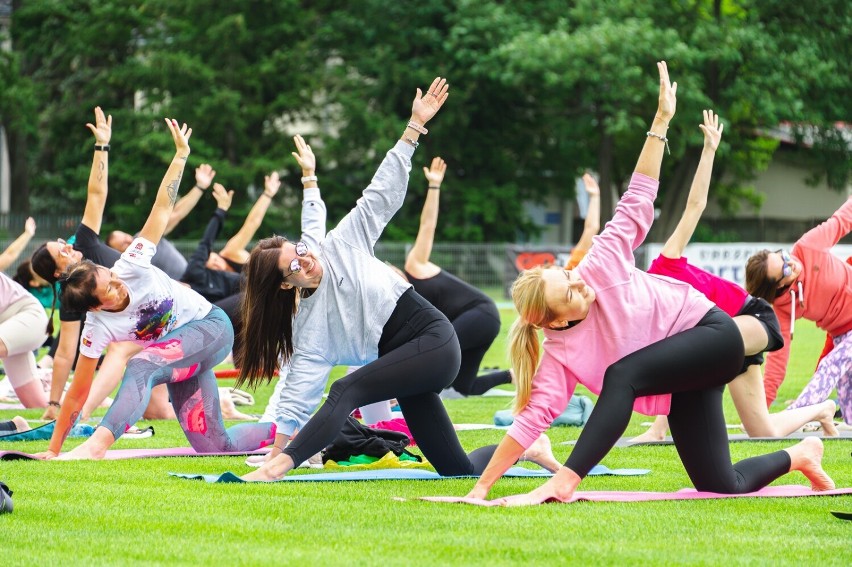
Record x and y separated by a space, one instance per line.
401 474
45 431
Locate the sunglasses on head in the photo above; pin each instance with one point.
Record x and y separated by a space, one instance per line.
295 266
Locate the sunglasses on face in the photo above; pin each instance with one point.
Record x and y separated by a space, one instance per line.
295 266
786 267
63 248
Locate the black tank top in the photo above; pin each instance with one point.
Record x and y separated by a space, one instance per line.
448 293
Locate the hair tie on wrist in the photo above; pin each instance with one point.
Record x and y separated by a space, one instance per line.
434 187
101 147
54 404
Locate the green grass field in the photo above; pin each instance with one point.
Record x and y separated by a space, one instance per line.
132 512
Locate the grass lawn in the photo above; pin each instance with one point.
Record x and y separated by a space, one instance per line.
132 512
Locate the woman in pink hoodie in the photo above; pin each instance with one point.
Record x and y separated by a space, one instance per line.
813 283
642 342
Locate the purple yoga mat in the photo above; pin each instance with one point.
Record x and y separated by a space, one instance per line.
5 406
119 454
787 491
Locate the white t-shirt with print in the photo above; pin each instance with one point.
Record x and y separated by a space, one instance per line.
158 304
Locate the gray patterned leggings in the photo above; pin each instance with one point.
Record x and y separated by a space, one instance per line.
184 361
834 371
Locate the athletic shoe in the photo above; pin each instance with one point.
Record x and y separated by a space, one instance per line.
5 499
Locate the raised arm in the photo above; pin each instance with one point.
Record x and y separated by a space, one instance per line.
14 250
314 212
593 215
652 152
204 175
417 262
166 197
235 248
697 199
96 196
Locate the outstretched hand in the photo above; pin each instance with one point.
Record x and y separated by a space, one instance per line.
305 156
435 173
271 184
668 93
591 185
30 226
426 106
712 130
102 128
204 175
223 196
181 135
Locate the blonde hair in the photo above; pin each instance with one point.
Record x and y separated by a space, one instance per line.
524 347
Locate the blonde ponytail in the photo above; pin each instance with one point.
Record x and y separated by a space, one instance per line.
524 347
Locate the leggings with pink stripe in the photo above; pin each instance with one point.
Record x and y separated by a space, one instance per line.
834 371
184 361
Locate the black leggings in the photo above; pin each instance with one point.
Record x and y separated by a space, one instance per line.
418 357
694 367
476 329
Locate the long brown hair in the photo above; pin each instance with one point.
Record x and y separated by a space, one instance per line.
44 266
757 280
267 313
524 348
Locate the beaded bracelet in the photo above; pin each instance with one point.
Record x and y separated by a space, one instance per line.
417 127
663 138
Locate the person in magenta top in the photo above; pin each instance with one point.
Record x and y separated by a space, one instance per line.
813 283
754 316
642 342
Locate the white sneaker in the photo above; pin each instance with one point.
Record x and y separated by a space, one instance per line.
256 461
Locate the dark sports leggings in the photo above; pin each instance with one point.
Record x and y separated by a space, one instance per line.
476 329
184 361
694 367
418 357
8 426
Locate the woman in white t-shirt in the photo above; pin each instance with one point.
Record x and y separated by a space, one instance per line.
183 336
22 330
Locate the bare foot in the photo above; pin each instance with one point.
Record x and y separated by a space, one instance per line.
650 436
826 419
541 454
230 411
272 470
21 424
807 458
82 453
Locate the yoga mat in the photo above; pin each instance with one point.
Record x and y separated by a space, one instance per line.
401 474
44 433
121 454
6 406
842 515
788 491
626 441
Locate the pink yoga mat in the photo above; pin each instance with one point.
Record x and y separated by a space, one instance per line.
119 454
787 491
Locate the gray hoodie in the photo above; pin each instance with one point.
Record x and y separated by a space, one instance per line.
342 321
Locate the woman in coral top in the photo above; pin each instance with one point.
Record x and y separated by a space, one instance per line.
813 283
642 342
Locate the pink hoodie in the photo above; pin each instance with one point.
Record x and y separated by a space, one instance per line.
826 291
632 309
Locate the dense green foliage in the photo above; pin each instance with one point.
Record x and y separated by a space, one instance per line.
540 91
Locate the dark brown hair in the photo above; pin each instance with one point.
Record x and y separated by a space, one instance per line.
267 313
757 282
43 265
77 287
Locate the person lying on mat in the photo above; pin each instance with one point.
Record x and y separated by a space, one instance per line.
327 300
753 315
183 337
473 314
642 342
813 283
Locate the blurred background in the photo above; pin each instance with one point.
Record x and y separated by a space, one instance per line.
540 92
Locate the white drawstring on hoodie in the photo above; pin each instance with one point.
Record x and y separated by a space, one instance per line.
793 306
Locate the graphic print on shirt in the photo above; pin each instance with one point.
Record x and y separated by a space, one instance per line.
154 319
